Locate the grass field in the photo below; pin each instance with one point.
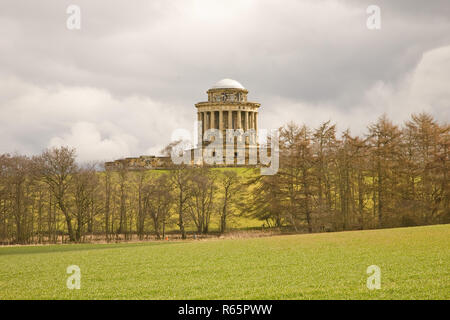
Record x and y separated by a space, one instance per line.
414 264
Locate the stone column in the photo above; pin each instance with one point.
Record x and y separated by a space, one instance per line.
199 118
246 124
253 119
230 119
256 121
212 120
221 120
204 122
238 120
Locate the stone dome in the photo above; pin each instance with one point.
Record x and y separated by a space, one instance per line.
227 84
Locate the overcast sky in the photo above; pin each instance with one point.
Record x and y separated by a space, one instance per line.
131 75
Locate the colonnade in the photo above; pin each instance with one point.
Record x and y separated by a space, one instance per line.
229 119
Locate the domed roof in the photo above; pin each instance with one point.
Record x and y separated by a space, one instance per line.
227 83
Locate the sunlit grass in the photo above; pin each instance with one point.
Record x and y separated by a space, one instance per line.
414 264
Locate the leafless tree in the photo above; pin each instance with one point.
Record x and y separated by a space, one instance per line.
200 203
230 189
157 202
85 183
57 167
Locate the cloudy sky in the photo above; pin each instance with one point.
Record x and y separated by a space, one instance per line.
131 75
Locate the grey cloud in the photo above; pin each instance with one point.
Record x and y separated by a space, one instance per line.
314 57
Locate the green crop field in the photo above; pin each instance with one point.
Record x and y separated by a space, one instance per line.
414 264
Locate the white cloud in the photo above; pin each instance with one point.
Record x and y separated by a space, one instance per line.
133 73
103 127
98 125
92 145
424 89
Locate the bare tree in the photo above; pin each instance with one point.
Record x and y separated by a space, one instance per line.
200 204
57 167
85 183
179 178
123 184
180 181
157 202
107 194
384 145
140 219
231 190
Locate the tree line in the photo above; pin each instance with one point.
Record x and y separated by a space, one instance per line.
51 199
391 176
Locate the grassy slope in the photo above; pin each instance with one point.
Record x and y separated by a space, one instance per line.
414 264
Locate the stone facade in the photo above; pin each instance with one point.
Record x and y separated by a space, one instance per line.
142 162
227 108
